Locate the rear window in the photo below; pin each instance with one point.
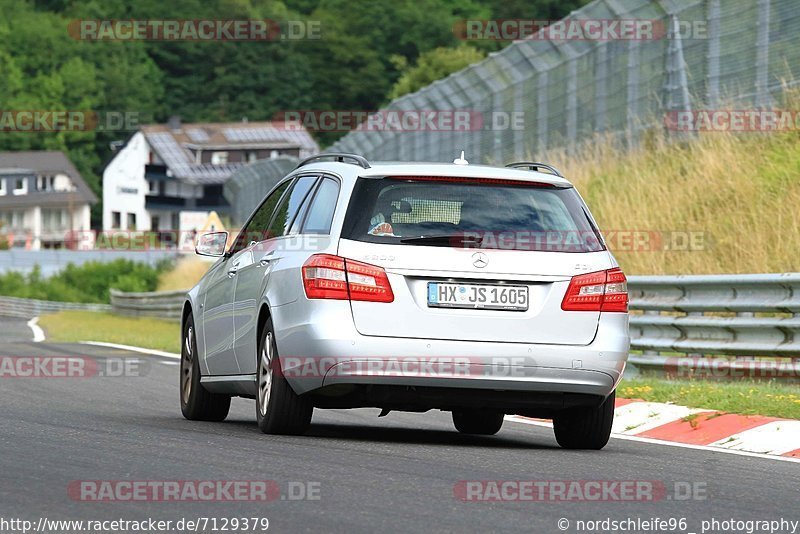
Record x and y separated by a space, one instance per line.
467 213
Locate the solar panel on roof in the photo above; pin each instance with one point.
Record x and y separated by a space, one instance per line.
197 135
173 154
239 135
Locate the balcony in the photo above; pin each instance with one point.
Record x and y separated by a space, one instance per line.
155 172
169 203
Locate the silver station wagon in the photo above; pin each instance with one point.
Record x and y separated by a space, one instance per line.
472 289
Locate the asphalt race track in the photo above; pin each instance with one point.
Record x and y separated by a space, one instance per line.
391 474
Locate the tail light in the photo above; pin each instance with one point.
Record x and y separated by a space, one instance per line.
605 291
326 276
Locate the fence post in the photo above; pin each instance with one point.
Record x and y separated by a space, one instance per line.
712 56
676 85
633 92
763 98
519 133
601 88
541 113
572 103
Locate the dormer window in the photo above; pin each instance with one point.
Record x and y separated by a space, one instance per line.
219 158
20 186
45 183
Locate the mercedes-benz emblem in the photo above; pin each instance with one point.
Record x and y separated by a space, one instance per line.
480 260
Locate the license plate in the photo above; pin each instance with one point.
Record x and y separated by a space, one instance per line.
478 296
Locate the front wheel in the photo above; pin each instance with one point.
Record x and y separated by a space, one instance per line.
585 428
279 410
197 404
478 422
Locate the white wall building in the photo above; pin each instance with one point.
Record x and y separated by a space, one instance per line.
165 177
44 201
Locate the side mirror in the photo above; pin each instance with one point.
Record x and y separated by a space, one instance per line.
212 244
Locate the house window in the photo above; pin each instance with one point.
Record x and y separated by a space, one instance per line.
116 220
2 187
252 156
45 183
152 187
54 220
17 220
219 158
131 221
20 186
274 154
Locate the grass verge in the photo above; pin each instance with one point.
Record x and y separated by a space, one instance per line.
147 332
186 273
742 397
733 196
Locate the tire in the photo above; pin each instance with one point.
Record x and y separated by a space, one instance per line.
585 428
197 403
279 410
478 422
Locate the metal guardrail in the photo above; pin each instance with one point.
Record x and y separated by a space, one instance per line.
753 319
28 308
162 304
743 316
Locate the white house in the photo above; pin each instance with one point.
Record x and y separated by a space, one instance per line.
44 201
167 177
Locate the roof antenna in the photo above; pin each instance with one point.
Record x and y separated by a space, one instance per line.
461 160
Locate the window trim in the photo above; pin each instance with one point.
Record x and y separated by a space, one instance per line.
336 204
21 190
298 177
231 251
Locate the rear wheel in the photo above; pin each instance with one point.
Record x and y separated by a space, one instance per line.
197 404
585 428
479 422
279 410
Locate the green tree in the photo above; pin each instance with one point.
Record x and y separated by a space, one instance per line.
431 66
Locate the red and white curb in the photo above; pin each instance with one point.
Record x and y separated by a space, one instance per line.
669 424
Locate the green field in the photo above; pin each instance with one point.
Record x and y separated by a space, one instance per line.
147 332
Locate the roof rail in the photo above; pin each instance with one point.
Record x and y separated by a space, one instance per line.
535 166
361 161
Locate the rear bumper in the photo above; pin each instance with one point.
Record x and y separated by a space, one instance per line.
323 350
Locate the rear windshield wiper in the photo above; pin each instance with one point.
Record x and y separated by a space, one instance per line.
443 240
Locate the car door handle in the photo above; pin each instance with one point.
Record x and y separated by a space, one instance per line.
232 271
266 258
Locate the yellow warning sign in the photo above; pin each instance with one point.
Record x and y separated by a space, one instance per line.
212 224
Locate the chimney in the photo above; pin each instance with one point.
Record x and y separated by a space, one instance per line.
174 123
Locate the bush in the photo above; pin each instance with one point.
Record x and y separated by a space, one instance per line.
90 282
